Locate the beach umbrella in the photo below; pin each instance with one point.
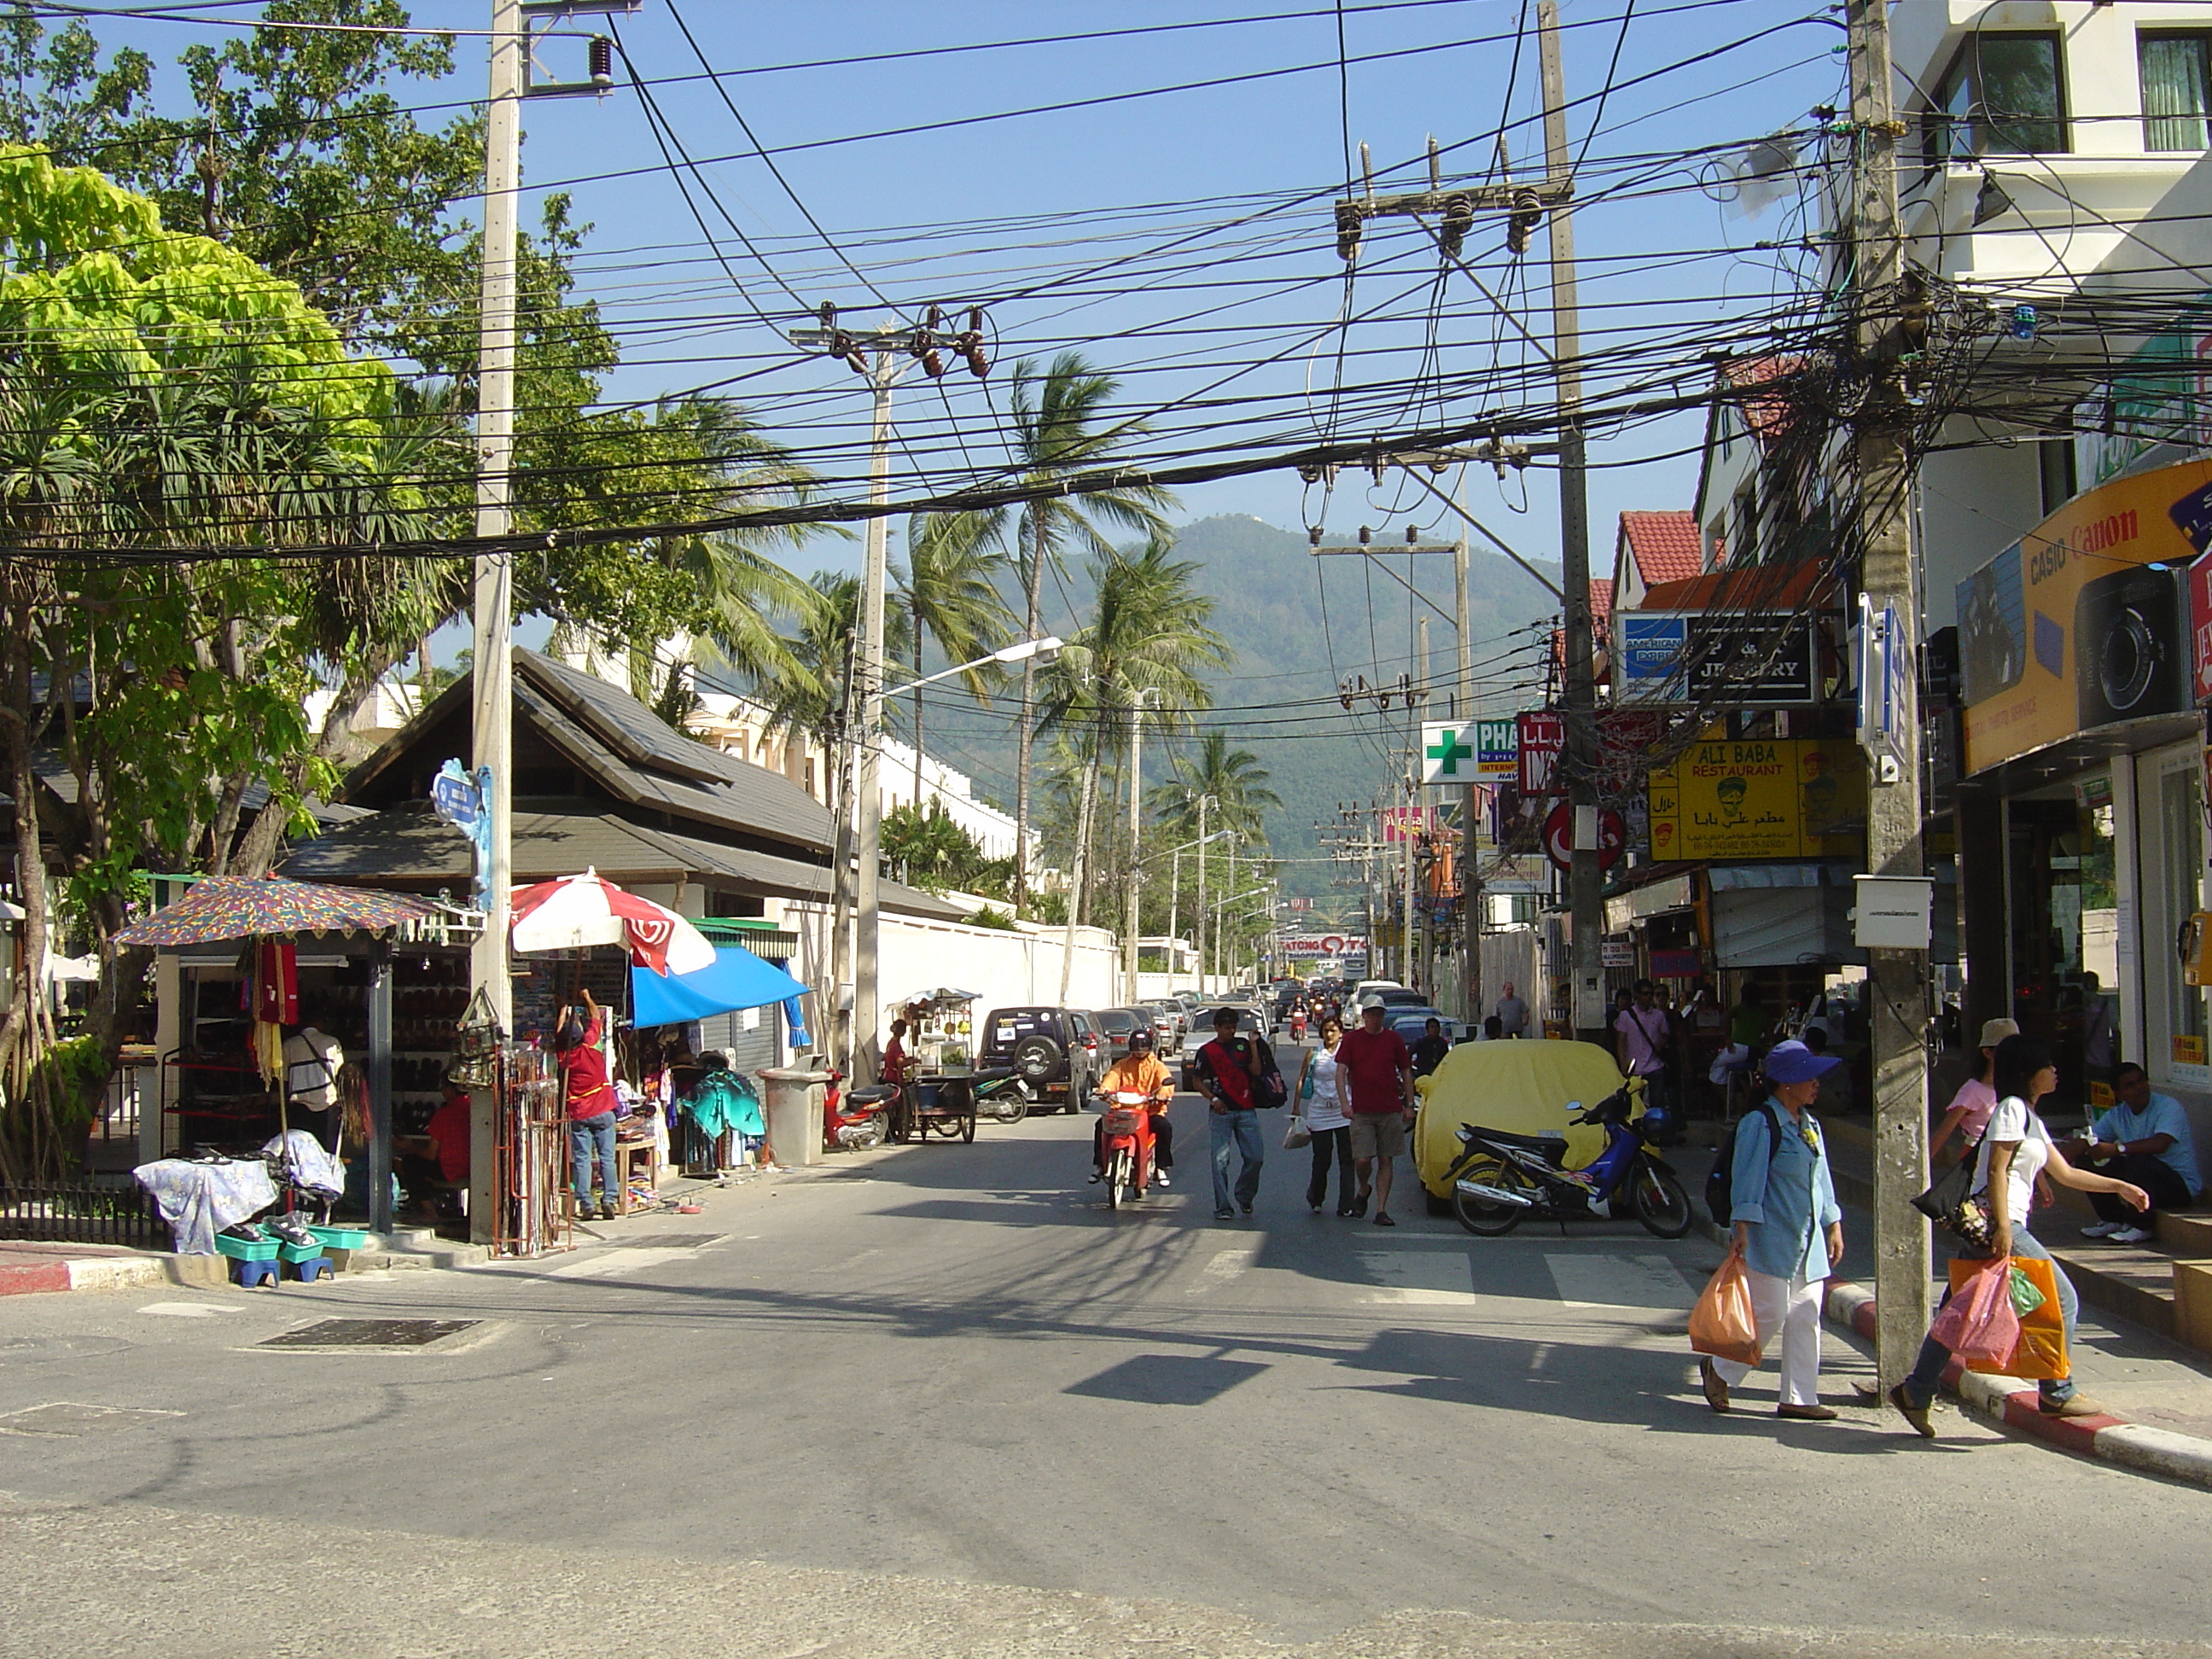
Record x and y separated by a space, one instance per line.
589 910
217 907
738 979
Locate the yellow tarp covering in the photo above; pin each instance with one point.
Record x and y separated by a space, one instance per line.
1522 1086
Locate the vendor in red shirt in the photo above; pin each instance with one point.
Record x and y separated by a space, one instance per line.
591 1097
1375 1074
438 1158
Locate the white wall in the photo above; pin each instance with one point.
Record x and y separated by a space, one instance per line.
1005 968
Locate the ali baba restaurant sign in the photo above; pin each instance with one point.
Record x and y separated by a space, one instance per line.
1795 797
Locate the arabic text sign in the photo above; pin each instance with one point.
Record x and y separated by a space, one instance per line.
1543 742
1761 799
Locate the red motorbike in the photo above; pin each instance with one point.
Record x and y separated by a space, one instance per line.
1125 1147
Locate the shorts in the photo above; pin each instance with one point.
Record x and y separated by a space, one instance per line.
1378 1134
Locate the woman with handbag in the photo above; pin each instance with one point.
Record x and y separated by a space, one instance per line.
2016 1149
1320 1105
1788 1228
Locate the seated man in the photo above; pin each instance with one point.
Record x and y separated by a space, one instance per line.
1138 1072
437 1159
1428 1052
2143 1139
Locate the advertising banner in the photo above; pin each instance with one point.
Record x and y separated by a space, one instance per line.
1543 742
1469 751
1725 656
1730 800
1314 946
2085 621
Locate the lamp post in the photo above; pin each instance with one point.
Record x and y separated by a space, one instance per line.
1175 885
1136 828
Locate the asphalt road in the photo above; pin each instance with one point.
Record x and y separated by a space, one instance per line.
940 1400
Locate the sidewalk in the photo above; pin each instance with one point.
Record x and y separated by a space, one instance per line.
2158 1391
28 1266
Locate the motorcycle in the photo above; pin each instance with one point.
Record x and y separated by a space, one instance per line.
855 1119
1003 1094
1125 1147
1502 1179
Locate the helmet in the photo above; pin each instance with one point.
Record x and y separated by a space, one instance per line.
1141 1038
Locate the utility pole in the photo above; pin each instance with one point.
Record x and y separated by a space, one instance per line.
1203 801
1586 878
1136 835
1470 868
491 735
1894 810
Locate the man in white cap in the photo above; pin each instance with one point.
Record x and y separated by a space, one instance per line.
1376 1070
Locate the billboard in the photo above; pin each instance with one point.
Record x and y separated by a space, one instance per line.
1790 798
2085 621
1468 752
1718 656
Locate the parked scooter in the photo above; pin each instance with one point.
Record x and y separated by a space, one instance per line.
855 1119
1502 1179
1002 1094
1126 1147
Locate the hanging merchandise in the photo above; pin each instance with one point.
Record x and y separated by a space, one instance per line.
475 1044
276 982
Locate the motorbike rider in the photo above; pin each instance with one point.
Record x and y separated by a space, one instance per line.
1138 1073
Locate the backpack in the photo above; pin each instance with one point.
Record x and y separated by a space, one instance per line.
1720 1202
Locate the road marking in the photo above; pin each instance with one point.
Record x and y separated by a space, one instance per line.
1433 1279
1222 1267
1645 1283
189 1309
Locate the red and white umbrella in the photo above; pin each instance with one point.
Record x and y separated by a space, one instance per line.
589 910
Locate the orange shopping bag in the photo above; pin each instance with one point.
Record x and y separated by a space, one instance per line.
2041 1354
1722 1323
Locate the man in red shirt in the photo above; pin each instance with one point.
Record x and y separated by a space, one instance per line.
438 1158
1228 1074
591 1108
1376 1074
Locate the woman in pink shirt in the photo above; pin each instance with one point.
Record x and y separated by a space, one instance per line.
1976 1099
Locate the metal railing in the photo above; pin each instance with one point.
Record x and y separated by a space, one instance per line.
81 1213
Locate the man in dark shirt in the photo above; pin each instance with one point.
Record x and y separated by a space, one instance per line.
1228 1072
1428 1052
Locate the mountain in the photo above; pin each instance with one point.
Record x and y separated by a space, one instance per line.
1281 700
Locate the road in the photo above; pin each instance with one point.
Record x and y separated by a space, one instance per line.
940 1400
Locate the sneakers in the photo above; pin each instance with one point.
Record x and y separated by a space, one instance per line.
1716 1391
2102 1229
290 1228
1224 1215
2131 1235
1916 1415
1097 1176
2075 1404
246 1230
1807 1414
1159 1178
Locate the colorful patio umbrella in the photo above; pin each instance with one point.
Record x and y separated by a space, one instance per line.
589 910
217 907
738 979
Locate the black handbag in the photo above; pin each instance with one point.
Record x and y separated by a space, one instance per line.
1950 1202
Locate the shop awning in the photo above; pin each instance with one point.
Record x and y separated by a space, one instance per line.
738 979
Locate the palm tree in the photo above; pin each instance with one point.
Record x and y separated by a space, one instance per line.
1231 781
809 686
1148 633
1059 431
949 594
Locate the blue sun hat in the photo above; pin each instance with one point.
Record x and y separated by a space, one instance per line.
1793 1063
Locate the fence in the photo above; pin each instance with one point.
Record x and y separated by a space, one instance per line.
78 1213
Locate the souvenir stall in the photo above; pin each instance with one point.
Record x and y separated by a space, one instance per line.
278 1093
707 1087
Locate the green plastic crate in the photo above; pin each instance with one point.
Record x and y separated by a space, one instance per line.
246 1249
340 1238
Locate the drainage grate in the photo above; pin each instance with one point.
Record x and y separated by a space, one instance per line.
369 1334
65 1417
667 1241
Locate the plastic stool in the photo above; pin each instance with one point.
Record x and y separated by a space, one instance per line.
251 1274
313 1267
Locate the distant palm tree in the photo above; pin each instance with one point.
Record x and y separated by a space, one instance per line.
1060 431
1231 781
1148 633
810 692
950 592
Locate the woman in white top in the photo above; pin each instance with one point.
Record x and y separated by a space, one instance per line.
2015 1149
1323 1110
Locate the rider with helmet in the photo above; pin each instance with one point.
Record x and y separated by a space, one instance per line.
1138 1072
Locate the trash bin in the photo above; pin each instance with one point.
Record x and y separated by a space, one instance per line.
794 1114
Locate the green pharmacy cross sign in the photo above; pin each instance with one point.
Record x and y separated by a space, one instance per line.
1469 751
1445 750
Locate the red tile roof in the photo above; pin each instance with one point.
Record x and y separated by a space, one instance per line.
1752 587
1768 417
1600 605
1666 546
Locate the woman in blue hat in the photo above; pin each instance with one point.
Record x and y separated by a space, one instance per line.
1789 1230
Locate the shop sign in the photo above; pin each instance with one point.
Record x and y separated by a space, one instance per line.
1319 946
1617 953
1543 743
1729 657
2144 407
2200 627
2188 1051
464 800
2084 621
1625 736
1675 963
1790 797
1559 836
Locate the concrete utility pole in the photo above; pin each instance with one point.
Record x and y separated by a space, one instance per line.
1136 835
1894 810
1203 801
1470 866
1586 878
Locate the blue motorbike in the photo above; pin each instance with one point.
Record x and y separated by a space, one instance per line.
1500 1179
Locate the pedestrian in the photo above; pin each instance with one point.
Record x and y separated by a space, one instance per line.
1228 1071
1789 1230
1969 1108
1511 1013
893 1068
1749 1021
1428 1052
1494 1030
2145 1141
2015 1149
1320 1098
1643 1042
591 1107
1378 1073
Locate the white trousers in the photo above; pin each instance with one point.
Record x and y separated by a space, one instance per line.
1788 1308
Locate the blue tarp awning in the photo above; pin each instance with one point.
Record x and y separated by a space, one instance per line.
738 979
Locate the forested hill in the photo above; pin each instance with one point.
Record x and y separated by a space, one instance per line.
1280 702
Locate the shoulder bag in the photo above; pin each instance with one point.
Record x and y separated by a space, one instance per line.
1951 1203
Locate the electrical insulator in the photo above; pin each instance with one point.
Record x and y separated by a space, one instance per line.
1312 531
602 61
830 313
1365 535
935 320
1527 214
923 347
1412 537
1459 219
1347 231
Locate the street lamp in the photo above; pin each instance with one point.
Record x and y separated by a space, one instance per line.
1174 882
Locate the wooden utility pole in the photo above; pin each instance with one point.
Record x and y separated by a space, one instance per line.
1882 479
1586 878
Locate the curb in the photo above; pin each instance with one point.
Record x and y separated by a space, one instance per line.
1850 1307
98 1272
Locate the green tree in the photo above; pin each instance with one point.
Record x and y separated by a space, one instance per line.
1231 781
949 591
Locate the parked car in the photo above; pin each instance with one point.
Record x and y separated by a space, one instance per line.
1115 1025
1054 1050
1169 1022
1249 1024
1412 1023
1402 998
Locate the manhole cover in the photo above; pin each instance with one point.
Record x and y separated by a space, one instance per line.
666 1241
369 1334
66 1417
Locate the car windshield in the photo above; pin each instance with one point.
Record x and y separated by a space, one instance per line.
1117 1020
